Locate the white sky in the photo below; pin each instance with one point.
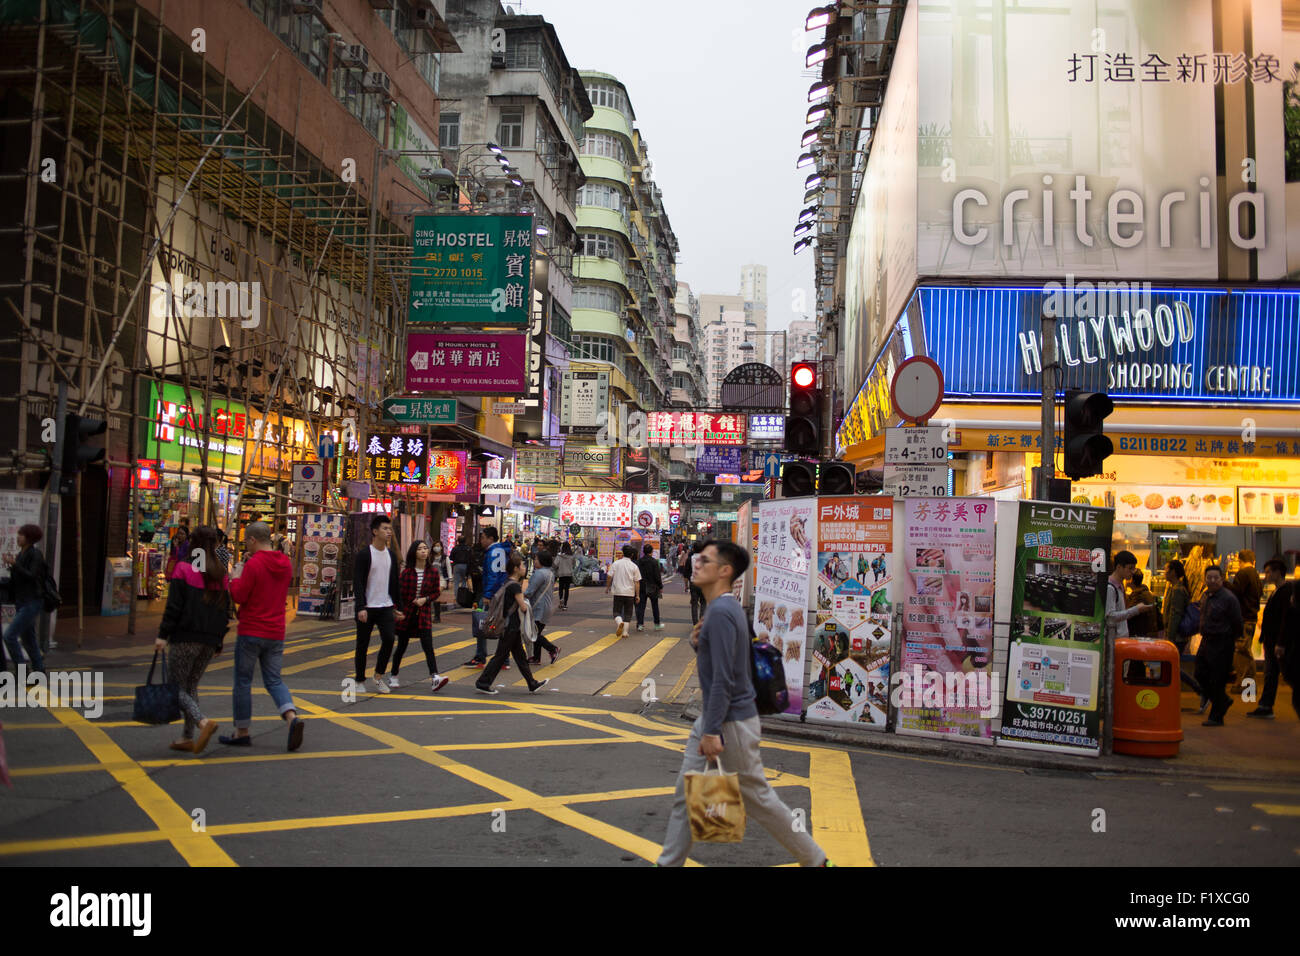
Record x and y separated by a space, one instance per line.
720 94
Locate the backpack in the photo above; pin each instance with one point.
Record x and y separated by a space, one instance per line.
767 667
51 600
1191 622
493 624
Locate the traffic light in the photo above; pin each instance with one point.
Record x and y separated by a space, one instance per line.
836 478
798 479
803 430
1085 446
77 453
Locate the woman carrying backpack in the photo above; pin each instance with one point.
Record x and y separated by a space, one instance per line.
420 588
194 627
511 639
27 573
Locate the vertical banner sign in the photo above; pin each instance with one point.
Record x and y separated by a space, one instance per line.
945 686
850 642
1058 611
472 270
787 533
320 541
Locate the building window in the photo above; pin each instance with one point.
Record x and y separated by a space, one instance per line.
612 97
597 297
510 132
600 194
449 131
603 244
604 144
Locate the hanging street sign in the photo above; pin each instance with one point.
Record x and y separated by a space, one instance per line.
754 387
421 411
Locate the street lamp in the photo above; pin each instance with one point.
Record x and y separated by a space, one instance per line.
818 53
819 17
819 91
817 113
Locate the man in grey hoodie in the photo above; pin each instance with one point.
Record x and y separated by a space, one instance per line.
728 726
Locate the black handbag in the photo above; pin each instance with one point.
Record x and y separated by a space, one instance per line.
157 703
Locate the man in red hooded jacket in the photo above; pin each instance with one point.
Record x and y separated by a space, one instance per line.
260 590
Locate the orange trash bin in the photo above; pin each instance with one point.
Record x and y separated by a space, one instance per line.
1147 711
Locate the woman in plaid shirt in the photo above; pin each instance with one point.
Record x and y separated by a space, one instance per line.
419 591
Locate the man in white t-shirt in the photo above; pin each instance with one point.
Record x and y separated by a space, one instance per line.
374 581
624 581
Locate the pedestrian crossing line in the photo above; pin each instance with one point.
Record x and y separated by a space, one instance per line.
165 762
682 681
569 661
1279 809
643 665
197 849
775 777
506 707
345 656
1255 788
837 823
457 673
332 637
556 811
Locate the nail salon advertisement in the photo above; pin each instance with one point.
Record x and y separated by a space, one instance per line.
787 534
945 685
1058 612
850 643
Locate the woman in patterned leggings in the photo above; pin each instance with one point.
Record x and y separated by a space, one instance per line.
194 626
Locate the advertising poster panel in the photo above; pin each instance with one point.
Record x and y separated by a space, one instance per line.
945 685
466 363
596 509
321 550
787 537
1058 611
852 632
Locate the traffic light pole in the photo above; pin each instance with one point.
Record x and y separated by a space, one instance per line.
1046 466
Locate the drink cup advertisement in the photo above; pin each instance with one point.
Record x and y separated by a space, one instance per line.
852 632
787 536
945 686
1058 617
321 544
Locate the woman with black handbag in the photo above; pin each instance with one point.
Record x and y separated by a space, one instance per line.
420 589
194 627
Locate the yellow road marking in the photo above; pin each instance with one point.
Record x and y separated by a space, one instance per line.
837 823
457 673
1279 809
551 671
345 656
681 681
311 643
1255 788
561 814
643 665
197 849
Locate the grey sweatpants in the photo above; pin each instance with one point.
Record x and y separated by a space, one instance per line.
740 756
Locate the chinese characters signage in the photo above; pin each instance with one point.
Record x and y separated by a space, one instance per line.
469 364
538 466
650 512
584 401
766 427
1214 68
787 534
696 428
447 471
713 460
471 270
607 509
392 459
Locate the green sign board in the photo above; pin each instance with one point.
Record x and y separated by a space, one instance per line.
421 411
471 270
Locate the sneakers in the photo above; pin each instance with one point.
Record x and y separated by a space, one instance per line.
476 662
539 685
438 682
659 627
555 653
392 681
1205 702
381 684
618 626
1260 712
640 627
295 734
486 690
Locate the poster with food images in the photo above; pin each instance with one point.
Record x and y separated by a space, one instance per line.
1162 504
320 551
851 640
787 534
1058 617
945 686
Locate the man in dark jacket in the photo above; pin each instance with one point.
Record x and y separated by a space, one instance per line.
1271 633
1144 625
26 583
374 582
1220 630
1248 588
652 585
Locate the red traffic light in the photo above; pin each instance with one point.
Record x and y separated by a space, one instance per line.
803 375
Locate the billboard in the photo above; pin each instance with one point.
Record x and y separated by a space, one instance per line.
590 460
584 399
468 364
696 428
448 471
471 270
596 509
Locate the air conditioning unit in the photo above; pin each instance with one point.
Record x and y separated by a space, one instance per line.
498 61
376 83
426 19
305 6
354 54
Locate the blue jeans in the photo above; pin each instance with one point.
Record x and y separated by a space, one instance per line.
24 627
459 575
248 651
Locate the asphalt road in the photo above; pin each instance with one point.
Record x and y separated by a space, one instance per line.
573 776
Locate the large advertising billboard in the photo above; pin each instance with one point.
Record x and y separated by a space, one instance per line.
471 270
